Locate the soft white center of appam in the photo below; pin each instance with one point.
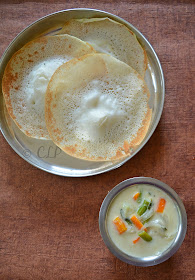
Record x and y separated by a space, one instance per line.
97 112
38 80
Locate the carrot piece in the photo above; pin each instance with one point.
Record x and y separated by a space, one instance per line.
136 240
137 222
161 205
121 227
135 197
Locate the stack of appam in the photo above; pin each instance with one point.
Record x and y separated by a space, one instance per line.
83 89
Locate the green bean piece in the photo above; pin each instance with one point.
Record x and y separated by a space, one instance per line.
128 221
145 236
124 218
139 200
143 208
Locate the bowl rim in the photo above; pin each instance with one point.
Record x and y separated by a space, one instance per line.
145 261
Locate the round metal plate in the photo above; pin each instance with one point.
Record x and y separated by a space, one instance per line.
44 154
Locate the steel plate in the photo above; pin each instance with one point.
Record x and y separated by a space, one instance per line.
44 154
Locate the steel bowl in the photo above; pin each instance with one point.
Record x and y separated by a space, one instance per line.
44 154
150 260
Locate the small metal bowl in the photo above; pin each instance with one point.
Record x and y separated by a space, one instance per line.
151 260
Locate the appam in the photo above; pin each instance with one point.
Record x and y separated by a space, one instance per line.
27 75
96 108
111 37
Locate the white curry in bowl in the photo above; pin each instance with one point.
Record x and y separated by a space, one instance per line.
142 223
